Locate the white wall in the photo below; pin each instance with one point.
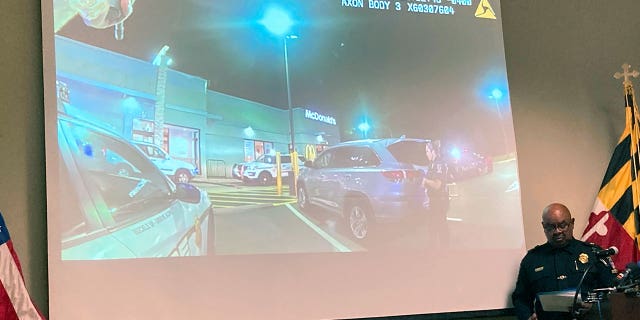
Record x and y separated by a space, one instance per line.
567 108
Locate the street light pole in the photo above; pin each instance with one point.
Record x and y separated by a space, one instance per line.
286 71
293 189
162 61
504 134
278 23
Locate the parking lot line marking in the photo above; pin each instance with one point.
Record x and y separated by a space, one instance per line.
223 207
284 203
335 243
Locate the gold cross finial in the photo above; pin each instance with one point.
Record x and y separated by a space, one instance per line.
626 73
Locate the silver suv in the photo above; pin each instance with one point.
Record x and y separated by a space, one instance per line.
178 170
367 182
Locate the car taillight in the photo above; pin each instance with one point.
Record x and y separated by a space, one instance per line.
398 176
394 175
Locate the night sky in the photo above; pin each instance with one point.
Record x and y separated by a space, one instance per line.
423 75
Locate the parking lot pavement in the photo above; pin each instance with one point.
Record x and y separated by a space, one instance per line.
226 182
218 185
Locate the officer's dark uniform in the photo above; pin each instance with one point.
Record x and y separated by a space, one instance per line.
438 198
546 268
438 202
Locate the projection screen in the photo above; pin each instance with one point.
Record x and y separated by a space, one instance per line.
271 159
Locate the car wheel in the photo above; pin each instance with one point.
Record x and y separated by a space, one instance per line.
264 178
358 218
182 176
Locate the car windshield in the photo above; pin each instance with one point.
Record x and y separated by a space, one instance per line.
152 151
265 158
409 151
123 177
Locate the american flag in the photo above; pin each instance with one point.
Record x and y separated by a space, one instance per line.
15 302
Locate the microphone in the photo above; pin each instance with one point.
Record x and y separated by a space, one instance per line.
612 251
632 272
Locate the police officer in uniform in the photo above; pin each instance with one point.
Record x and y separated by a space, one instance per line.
558 264
435 183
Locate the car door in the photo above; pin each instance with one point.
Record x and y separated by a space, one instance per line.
336 177
316 177
116 215
333 186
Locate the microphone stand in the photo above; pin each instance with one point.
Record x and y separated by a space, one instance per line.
575 311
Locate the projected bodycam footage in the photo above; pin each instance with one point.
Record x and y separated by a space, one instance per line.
217 128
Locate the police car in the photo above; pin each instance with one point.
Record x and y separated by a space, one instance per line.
108 212
264 170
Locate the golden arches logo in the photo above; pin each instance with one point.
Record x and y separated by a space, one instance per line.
310 152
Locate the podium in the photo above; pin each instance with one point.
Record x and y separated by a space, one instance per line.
624 307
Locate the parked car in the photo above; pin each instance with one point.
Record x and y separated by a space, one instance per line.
367 182
263 169
178 170
238 168
467 164
112 213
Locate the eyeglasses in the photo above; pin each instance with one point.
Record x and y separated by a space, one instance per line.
562 226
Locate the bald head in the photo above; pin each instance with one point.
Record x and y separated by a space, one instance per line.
557 224
556 209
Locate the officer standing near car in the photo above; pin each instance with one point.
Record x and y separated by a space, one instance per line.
435 183
559 264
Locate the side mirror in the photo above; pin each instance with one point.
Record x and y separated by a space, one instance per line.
187 193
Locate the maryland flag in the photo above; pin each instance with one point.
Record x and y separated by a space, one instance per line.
615 220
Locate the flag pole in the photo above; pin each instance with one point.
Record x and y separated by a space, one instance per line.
635 152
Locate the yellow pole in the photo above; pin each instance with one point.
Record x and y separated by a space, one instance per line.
278 174
294 171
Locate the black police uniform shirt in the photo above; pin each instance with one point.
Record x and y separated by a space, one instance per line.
545 268
438 198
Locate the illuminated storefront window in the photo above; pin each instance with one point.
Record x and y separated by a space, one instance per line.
255 148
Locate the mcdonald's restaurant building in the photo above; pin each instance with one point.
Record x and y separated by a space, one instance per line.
241 130
136 99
